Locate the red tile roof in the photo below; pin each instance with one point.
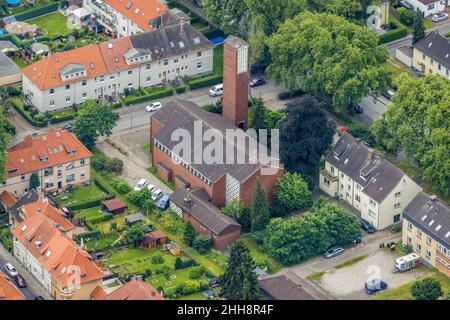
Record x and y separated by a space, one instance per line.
141 12
8 199
157 234
54 145
135 290
98 294
8 291
114 204
61 257
113 54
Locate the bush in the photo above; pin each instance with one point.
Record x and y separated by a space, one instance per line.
148 272
146 97
196 272
90 234
120 185
407 16
13 91
19 108
287 94
205 81
105 217
363 132
397 31
101 162
39 11
202 244
180 89
157 259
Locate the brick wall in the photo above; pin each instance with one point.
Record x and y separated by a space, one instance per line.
267 181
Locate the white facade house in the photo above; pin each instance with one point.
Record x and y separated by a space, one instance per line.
145 60
429 7
367 182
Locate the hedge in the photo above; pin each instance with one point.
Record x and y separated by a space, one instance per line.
13 38
106 189
147 97
89 204
213 33
40 11
90 234
205 81
287 94
397 31
105 217
30 120
68 117
180 89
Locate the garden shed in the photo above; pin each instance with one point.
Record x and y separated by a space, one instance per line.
114 206
153 239
134 218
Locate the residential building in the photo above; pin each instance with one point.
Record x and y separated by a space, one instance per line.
57 156
8 291
109 68
64 270
360 176
195 206
132 290
426 228
429 7
14 210
126 18
432 55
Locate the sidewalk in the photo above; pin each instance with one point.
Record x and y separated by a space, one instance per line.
33 284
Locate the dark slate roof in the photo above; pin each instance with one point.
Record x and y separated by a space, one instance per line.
170 41
289 286
435 46
203 210
29 197
7 66
431 215
132 218
180 114
351 156
8 46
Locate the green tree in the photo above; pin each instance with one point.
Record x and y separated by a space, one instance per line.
292 193
189 234
259 209
5 138
178 263
135 234
236 209
202 244
34 181
258 120
230 15
426 289
418 29
239 282
326 54
94 120
417 122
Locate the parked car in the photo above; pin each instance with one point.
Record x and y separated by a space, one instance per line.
20 281
140 185
406 4
157 194
439 16
358 108
151 188
366 226
10 270
374 286
164 202
153 106
257 82
69 127
333 252
216 91
389 94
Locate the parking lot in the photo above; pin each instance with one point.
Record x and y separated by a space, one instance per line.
348 282
373 108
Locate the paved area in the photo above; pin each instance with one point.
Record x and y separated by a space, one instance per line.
373 108
34 288
348 282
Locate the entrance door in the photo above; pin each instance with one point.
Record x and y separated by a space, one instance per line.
164 78
59 184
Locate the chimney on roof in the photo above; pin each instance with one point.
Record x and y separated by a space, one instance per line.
370 154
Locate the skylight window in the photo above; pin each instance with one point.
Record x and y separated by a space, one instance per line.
431 223
91 65
24 227
424 217
197 40
110 45
48 253
181 43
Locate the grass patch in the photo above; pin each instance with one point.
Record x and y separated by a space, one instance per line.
19 62
104 242
427 24
410 170
147 147
105 227
177 277
351 262
79 195
218 60
404 292
90 214
55 24
260 258
316 276
154 172
195 296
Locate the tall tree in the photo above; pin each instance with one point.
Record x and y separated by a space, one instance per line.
418 29
326 54
292 193
236 209
94 120
258 120
5 138
426 289
239 282
34 181
259 209
417 122
189 234
135 234
305 134
230 15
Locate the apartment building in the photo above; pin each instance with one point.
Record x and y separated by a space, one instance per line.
431 55
57 156
64 270
426 228
95 71
429 7
355 173
126 18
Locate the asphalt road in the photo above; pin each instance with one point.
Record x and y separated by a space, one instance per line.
28 293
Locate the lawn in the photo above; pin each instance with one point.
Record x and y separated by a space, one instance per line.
19 62
194 296
79 195
260 257
351 262
403 292
105 227
54 23
177 277
147 147
218 60
90 214
102 243
131 260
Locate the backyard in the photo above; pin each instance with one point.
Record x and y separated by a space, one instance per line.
53 23
80 195
176 278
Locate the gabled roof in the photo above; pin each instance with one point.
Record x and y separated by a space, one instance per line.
202 210
135 290
436 47
357 160
29 197
132 218
8 291
431 215
45 150
8 199
7 66
114 204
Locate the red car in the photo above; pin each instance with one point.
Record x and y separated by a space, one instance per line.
20 281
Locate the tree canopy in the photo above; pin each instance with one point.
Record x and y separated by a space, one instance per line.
326 54
305 134
291 193
5 138
426 289
259 209
417 122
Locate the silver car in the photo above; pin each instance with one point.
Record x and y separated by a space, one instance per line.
439 16
333 252
10 270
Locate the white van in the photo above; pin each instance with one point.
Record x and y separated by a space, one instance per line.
216 91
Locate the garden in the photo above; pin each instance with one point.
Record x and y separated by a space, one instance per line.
52 24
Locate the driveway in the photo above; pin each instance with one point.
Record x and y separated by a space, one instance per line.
373 108
348 282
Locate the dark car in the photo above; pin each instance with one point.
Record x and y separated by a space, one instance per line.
374 286
164 202
257 82
406 5
358 109
333 252
366 226
20 281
